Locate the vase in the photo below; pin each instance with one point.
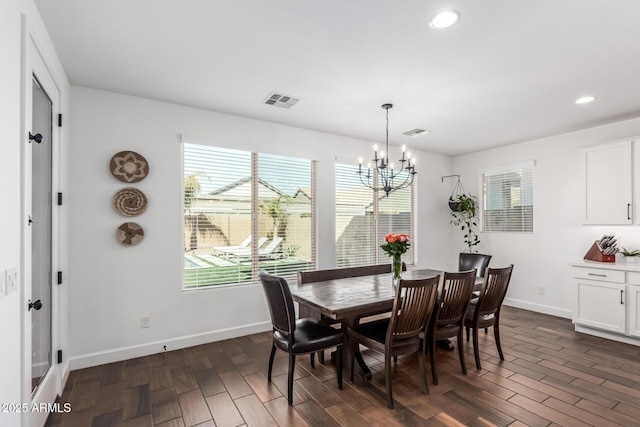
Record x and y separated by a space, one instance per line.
396 269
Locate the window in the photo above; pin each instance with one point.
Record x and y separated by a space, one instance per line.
507 198
362 220
245 212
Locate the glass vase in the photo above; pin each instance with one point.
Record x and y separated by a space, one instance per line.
396 269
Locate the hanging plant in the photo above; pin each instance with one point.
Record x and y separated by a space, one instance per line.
465 217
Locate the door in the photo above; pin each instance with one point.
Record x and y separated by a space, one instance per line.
40 306
600 305
41 374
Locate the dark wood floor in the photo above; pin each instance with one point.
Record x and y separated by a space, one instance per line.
552 376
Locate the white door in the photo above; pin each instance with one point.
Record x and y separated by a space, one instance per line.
633 297
40 233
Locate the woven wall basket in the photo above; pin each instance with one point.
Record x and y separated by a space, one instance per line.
130 202
129 166
130 233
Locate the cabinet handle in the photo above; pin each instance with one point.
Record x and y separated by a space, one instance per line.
596 274
621 291
628 210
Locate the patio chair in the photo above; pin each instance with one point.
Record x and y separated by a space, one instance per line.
224 249
267 252
245 250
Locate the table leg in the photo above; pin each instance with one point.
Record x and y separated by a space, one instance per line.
366 372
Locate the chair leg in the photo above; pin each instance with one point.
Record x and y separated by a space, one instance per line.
352 358
467 328
496 333
486 330
387 369
395 359
423 371
463 364
321 356
339 367
273 353
312 360
292 365
476 350
432 358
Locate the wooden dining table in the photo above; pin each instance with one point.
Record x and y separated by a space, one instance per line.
348 300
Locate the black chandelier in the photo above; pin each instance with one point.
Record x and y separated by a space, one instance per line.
385 177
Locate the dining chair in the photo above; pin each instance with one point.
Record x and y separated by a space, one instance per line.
400 334
448 317
485 310
335 274
296 337
468 261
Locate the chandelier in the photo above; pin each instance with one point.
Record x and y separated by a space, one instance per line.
385 177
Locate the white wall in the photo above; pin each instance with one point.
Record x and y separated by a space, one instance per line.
540 259
112 285
11 143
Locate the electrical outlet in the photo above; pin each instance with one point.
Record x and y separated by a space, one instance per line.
541 290
12 280
3 283
145 321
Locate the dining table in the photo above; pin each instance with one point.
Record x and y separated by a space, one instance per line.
347 300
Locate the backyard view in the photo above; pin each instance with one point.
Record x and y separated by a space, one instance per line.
219 246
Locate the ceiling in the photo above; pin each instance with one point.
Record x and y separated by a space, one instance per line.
508 71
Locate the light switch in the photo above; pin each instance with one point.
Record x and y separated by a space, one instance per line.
12 280
3 283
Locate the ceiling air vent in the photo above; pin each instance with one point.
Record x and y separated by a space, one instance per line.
280 100
416 132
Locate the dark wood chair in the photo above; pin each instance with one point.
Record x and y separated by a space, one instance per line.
448 317
334 274
400 334
468 261
302 336
485 310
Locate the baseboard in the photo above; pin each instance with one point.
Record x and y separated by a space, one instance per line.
538 308
608 335
124 353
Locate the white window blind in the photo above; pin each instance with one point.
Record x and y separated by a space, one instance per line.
227 238
507 198
355 226
358 239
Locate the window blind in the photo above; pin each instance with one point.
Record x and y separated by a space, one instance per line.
507 198
355 227
362 221
254 215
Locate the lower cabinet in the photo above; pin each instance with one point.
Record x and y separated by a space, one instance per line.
633 300
606 297
600 305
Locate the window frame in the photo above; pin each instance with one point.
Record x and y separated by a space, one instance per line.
526 169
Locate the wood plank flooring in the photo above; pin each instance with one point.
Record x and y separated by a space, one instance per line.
551 376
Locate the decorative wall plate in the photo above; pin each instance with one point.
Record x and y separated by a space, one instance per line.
130 202
130 233
129 166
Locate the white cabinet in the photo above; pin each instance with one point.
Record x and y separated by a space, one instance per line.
599 300
606 299
607 183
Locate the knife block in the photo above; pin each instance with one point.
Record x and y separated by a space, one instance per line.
595 254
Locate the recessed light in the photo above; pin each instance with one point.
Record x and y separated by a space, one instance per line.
585 99
444 19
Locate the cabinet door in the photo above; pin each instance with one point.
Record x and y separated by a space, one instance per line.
600 305
607 183
633 300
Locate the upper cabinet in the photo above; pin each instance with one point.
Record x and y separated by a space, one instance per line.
607 183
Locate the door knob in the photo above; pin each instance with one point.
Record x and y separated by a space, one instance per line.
36 305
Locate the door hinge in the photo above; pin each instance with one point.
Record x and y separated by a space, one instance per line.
59 199
59 277
59 120
59 356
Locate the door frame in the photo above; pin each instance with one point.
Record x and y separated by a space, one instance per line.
35 64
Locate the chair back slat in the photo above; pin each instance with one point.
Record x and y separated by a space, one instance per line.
454 296
412 308
494 290
280 303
